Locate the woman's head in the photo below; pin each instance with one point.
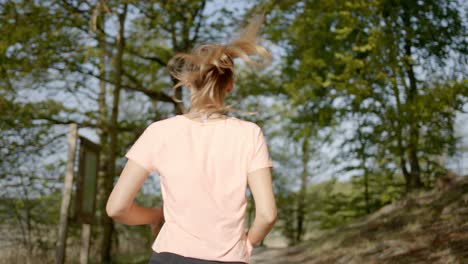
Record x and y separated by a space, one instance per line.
208 70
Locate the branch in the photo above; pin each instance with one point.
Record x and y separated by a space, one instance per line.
66 121
122 127
150 58
71 7
199 23
156 95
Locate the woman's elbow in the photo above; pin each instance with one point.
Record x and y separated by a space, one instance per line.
113 211
269 217
272 219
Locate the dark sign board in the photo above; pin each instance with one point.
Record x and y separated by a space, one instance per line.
86 181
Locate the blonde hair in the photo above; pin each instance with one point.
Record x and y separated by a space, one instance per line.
209 68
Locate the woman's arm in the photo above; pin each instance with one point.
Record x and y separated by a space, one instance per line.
120 205
261 186
138 215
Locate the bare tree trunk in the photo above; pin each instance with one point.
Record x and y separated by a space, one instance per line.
301 198
415 174
366 188
399 127
25 223
363 159
102 131
113 133
60 253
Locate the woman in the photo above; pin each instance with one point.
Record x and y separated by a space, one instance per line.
205 161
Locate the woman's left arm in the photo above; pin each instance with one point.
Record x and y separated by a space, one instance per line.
120 205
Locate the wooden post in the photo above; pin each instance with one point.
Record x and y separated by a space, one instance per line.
66 196
84 249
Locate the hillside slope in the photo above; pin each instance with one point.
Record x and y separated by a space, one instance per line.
431 227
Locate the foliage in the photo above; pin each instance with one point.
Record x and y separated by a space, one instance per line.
385 79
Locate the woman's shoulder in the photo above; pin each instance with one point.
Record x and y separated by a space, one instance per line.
162 124
244 123
165 121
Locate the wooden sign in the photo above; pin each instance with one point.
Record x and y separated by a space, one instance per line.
86 182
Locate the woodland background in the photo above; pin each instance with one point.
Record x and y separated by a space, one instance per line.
364 103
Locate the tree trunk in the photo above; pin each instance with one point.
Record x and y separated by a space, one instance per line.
113 133
415 175
301 198
102 131
366 184
399 134
363 158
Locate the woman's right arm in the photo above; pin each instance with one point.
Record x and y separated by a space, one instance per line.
260 184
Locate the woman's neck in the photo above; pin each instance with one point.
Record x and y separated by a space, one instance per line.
204 115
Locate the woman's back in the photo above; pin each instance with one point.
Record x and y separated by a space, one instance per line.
203 168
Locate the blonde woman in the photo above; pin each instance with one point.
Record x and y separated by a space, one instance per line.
205 160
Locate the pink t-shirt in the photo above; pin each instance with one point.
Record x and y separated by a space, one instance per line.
203 173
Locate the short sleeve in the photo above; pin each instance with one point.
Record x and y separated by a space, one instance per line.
143 149
261 157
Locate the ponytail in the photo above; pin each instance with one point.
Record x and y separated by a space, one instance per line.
209 68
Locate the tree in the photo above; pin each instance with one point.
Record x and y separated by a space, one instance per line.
81 50
351 60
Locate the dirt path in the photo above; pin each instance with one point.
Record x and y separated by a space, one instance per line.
270 255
